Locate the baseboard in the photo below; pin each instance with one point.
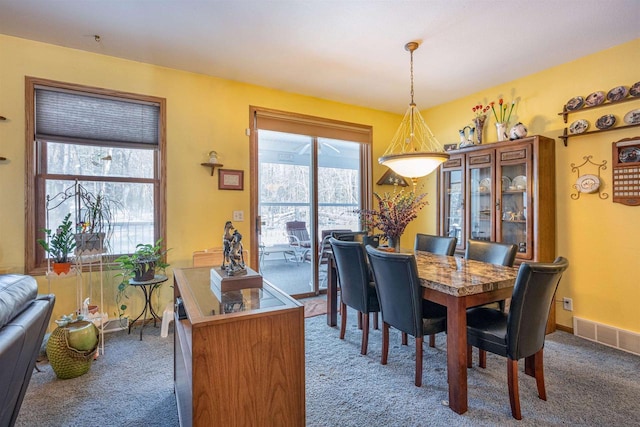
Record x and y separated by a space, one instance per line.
564 328
608 335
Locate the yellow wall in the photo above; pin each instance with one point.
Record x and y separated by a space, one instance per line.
600 238
204 113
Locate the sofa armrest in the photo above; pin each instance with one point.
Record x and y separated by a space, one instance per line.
17 291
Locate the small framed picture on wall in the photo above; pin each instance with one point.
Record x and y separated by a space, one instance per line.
230 179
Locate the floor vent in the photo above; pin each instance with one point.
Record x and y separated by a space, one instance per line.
607 335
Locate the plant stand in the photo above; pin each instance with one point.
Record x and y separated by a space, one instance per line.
90 259
147 288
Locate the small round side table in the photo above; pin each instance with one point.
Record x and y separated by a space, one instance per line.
147 287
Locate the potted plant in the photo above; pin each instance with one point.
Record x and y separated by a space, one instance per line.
95 221
140 266
60 245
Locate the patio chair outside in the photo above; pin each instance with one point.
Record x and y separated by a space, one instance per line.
299 240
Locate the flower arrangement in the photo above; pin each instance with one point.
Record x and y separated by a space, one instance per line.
502 117
395 211
479 110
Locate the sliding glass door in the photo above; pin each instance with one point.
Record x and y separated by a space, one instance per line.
307 186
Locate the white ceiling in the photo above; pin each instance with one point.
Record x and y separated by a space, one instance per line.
349 51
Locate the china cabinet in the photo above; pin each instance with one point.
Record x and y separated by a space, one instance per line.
502 192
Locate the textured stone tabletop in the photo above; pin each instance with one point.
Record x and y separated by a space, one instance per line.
458 276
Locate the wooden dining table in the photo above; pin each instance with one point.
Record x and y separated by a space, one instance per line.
458 284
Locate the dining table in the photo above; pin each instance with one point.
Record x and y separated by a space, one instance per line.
458 284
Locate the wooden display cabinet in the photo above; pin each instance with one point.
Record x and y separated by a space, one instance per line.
502 192
239 366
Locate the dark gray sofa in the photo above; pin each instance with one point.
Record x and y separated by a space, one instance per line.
24 318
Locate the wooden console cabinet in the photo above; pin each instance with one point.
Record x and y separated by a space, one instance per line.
239 355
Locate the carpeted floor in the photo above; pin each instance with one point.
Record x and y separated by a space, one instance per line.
131 385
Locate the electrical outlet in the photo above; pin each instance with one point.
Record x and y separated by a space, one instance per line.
567 304
238 215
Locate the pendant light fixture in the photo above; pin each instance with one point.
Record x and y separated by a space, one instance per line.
414 152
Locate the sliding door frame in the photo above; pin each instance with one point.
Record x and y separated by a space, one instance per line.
283 121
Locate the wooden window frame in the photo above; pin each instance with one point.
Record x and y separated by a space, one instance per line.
35 260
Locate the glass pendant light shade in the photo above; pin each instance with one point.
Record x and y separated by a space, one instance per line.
414 152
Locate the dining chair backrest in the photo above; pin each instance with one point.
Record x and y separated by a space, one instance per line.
491 252
325 246
399 290
351 264
530 303
358 236
438 245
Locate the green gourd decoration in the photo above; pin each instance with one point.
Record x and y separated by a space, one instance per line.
72 346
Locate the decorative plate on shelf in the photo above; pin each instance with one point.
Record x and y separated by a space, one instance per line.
485 184
579 126
632 117
635 89
606 121
596 98
506 183
575 103
617 93
629 155
520 182
588 183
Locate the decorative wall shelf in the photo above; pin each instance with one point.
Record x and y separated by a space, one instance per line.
392 178
213 166
565 136
565 114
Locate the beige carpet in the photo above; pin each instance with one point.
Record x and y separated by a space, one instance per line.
315 306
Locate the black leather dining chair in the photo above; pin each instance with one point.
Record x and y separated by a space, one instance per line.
366 239
358 236
401 304
325 247
438 245
521 332
356 289
493 253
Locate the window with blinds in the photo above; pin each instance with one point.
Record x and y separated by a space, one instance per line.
111 144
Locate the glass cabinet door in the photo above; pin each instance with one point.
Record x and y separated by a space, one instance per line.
481 203
454 206
515 220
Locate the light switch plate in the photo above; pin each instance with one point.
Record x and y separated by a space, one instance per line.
238 215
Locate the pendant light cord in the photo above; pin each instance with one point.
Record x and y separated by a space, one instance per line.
411 52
